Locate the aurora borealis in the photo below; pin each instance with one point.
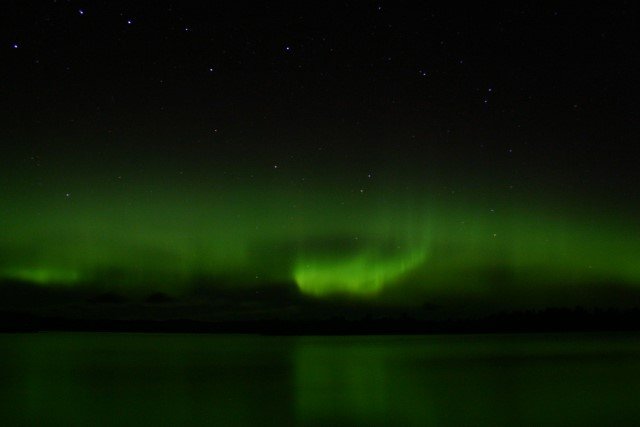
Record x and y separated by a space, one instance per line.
377 155
258 236
315 213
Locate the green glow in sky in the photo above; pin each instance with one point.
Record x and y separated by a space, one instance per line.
323 238
363 274
43 276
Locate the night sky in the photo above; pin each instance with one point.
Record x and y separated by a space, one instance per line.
265 157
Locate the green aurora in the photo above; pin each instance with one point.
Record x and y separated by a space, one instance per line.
379 244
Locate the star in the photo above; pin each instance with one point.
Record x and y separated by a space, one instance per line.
81 12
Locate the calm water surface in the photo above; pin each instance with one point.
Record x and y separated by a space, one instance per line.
67 379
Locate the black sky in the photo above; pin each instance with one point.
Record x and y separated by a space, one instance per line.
531 105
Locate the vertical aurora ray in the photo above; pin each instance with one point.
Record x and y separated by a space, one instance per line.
244 153
413 246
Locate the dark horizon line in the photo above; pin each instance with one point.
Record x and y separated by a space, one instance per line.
548 320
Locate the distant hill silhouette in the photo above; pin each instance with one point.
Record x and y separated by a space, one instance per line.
547 320
280 308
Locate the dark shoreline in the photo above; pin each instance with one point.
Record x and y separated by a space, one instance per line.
548 320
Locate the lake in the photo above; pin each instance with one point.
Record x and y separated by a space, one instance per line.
103 379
